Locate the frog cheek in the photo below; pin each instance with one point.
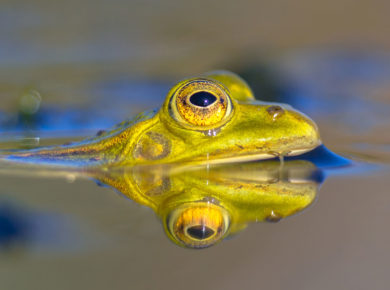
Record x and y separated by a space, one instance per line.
197 225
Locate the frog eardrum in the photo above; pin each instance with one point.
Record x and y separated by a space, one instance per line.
201 103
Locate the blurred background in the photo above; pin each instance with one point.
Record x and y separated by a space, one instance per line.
178 38
58 44
70 68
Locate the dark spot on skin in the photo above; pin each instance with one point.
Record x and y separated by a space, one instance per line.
202 99
273 217
100 132
239 146
200 232
275 111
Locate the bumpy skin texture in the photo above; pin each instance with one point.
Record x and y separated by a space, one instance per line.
235 127
220 199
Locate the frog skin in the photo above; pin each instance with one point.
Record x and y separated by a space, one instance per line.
200 206
213 118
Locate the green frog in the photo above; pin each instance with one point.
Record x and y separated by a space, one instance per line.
213 118
200 206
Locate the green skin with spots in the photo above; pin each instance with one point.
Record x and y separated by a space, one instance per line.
254 130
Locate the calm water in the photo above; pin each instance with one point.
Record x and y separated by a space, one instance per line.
71 68
62 230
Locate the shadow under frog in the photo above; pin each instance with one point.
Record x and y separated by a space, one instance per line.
200 206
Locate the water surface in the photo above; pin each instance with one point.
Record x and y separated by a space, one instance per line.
65 231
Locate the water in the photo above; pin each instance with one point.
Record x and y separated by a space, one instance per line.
60 229
68 71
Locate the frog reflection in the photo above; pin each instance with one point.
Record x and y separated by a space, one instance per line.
204 205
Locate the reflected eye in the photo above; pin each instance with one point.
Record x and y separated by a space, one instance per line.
201 103
199 225
200 232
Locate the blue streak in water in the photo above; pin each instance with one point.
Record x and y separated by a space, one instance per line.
323 158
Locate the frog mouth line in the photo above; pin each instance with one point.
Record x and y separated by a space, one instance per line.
256 156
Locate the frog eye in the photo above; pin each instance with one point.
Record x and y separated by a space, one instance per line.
201 103
198 226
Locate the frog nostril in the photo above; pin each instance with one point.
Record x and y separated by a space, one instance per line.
200 232
275 111
202 99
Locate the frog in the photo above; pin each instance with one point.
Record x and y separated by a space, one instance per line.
200 206
211 118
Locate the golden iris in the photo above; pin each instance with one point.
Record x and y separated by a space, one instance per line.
198 225
201 103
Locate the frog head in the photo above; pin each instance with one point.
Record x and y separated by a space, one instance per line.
214 118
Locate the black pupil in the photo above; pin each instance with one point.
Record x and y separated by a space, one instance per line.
200 232
202 99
